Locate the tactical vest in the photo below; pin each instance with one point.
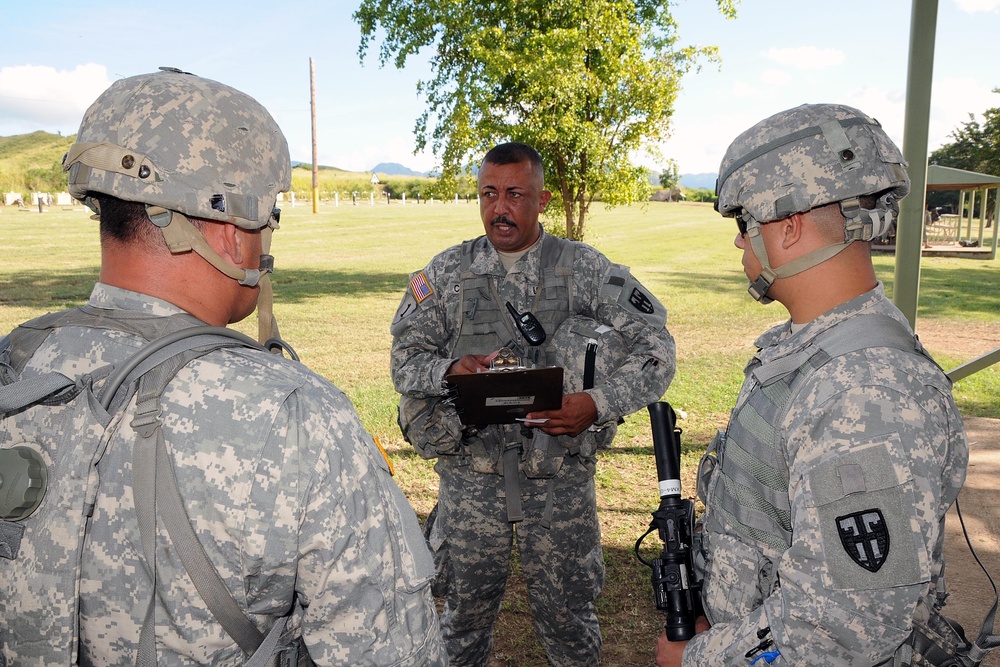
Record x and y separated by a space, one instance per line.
53 433
749 493
485 325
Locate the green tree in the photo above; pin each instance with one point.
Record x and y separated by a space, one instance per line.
975 147
587 82
670 176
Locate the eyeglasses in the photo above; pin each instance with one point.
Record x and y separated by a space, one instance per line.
742 220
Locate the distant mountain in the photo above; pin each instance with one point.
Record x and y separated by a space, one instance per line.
395 169
308 165
699 181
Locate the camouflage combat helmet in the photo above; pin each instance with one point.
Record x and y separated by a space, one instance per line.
803 158
183 143
187 147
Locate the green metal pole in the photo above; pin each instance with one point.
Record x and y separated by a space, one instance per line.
909 236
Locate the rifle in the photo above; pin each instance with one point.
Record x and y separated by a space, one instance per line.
674 589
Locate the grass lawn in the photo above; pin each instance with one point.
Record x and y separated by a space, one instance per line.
339 277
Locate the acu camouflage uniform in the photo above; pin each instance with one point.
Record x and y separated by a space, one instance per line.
865 453
461 311
288 494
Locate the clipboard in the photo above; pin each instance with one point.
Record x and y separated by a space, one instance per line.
502 396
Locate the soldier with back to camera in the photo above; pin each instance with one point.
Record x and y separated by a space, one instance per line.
821 542
287 494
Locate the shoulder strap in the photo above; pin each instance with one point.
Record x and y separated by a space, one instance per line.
856 333
29 336
558 255
155 367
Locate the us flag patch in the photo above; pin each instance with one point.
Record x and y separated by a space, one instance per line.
420 288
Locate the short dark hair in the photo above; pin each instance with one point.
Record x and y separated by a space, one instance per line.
514 153
127 222
122 221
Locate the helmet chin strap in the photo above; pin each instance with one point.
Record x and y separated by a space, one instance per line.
861 225
182 236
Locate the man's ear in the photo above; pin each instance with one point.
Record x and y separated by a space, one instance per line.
791 230
546 195
224 239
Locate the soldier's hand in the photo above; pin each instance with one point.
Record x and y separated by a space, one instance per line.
577 413
471 363
668 653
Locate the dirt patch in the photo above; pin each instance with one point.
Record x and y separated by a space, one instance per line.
971 594
965 340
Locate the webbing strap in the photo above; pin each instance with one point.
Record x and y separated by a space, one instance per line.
152 469
262 656
146 423
512 483
21 394
206 578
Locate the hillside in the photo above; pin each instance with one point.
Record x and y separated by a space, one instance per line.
33 162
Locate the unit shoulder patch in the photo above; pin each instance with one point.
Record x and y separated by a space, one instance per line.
640 301
865 537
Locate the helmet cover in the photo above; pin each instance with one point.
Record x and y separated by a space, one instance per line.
184 143
806 157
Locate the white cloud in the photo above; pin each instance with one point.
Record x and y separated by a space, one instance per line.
775 77
973 6
806 57
43 98
952 100
741 89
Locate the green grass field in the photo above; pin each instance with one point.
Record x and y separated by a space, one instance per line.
339 277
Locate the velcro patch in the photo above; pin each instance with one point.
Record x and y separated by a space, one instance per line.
10 539
420 288
865 537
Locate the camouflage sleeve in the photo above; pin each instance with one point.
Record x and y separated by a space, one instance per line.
617 299
873 470
364 570
422 328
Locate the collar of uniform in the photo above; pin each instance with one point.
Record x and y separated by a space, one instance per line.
488 261
779 341
116 298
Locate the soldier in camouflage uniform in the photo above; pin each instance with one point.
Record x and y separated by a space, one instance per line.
501 482
288 494
821 542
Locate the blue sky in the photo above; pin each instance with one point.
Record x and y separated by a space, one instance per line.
57 56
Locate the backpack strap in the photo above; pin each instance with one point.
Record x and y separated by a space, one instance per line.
155 367
23 393
29 336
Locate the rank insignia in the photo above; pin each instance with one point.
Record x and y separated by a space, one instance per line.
865 537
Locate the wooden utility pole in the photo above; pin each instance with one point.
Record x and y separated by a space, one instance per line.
312 102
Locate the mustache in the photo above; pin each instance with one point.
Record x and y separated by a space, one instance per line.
502 220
